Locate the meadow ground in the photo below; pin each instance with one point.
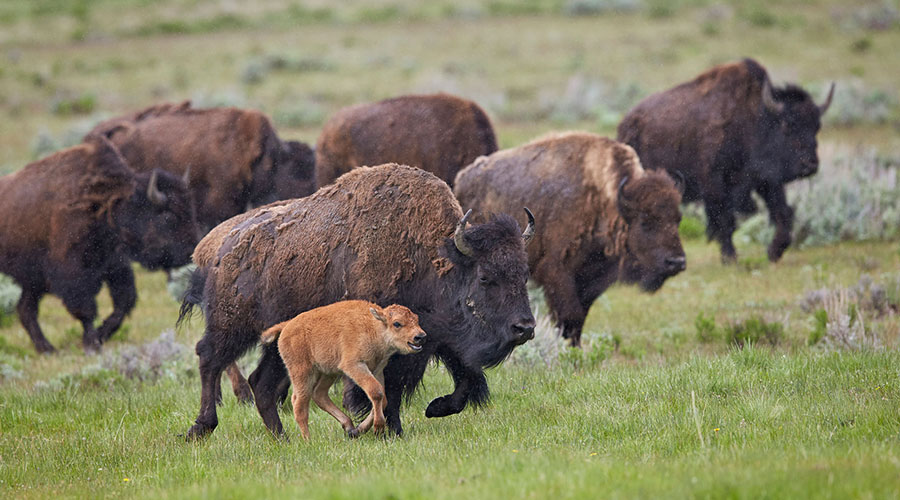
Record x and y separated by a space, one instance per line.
662 402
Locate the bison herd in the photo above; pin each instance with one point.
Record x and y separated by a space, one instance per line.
369 215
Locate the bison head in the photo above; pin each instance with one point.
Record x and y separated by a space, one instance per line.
789 123
650 207
494 271
295 175
157 223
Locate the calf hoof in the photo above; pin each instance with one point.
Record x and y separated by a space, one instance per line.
441 407
353 433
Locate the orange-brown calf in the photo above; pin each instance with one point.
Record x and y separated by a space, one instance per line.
355 338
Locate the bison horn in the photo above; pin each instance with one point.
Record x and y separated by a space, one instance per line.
156 196
528 234
459 236
623 203
769 100
825 105
187 175
678 177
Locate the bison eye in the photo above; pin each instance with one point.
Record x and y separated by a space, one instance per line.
397 324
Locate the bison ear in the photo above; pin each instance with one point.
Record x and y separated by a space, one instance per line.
378 316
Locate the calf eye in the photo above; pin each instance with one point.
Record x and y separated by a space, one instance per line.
397 324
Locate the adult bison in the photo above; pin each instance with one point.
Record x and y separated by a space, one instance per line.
387 234
439 133
72 221
603 217
731 132
232 157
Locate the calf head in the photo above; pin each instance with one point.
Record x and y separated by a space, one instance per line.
650 207
157 223
787 132
401 328
295 173
491 290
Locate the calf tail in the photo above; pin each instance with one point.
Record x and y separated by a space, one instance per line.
193 296
271 334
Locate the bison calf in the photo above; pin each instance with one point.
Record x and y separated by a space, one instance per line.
352 337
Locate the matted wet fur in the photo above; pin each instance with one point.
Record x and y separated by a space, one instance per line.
234 156
383 234
730 132
587 238
440 133
353 338
72 221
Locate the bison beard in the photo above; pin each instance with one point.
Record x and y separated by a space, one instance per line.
383 234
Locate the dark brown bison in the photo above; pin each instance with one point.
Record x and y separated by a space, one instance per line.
439 133
387 234
603 217
232 157
731 132
72 221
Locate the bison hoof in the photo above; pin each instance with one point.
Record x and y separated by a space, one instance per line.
245 395
197 432
353 433
440 407
45 349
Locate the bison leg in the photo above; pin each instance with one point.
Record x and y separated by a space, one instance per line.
470 387
268 381
83 307
320 396
27 309
239 384
563 300
720 226
120 279
781 215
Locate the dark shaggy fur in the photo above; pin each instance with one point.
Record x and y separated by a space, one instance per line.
235 157
587 239
439 133
718 131
72 221
382 234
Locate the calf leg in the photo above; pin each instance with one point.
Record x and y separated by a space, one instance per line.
300 400
27 309
781 215
320 396
268 381
239 384
720 226
120 279
363 377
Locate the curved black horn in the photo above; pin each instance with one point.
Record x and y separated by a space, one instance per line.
155 196
528 234
680 183
769 99
187 175
825 105
623 204
459 236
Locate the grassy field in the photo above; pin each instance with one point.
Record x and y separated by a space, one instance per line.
663 402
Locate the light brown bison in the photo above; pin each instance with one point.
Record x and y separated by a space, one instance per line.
439 133
387 234
232 157
729 131
72 221
603 217
352 337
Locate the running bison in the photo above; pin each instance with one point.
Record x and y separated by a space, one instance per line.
72 221
603 217
731 132
232 157
386 234
439 133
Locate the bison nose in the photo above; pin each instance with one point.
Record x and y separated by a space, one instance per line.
418 339
524 330
676 264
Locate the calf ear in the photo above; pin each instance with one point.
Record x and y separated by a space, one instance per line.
379 317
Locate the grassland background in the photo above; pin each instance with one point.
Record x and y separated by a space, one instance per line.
766 421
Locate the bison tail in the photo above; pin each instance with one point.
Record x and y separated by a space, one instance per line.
272 334
193 296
